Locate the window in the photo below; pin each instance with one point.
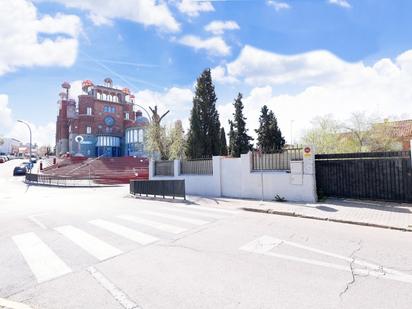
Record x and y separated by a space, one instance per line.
141 138
88 130
109 109
126 115
89 111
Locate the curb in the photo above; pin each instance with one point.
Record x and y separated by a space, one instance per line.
294 214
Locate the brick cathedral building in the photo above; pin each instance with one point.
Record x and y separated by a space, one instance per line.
102 122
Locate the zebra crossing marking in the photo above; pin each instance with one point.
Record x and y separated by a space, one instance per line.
157 225
139 237
43 262
177 218
202 208
91 244
196 213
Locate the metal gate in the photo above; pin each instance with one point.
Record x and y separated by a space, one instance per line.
375 175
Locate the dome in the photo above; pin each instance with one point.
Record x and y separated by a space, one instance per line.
86 84
142 121
108 80
66 85
126 90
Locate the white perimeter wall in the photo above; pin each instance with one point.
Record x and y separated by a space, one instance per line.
233 177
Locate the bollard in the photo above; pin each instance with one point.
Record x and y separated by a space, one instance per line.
54 161
41 166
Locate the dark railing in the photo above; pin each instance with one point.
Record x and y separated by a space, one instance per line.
164 168
375 175
196 167
49 180
364 155
161 188
278 160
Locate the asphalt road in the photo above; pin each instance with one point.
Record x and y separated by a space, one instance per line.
100 248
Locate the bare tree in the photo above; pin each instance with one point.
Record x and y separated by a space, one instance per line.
157 137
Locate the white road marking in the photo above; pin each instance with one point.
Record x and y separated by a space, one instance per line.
94 246
43 262
264 244
139 237
338 256
12 304
196 213
261 245
36 221
177 218
202 208
157 225
121 297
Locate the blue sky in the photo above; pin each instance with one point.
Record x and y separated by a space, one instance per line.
303 58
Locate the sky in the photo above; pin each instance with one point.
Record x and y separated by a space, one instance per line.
302 58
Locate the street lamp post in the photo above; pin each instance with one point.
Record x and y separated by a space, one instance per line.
30 140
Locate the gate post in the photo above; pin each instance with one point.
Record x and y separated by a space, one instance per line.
309 168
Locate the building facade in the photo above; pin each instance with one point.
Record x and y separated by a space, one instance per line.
102 123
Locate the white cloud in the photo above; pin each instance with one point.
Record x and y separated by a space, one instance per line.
9 127
215 46
219 75
177 100
341 3
218 27
257 67
321 84
146 12
19 36
194 8
278 5
5 114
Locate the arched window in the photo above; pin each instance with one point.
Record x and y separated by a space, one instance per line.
99 96
104 97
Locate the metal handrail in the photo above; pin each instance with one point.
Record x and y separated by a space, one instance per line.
84 164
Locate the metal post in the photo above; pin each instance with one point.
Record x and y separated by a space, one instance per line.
30 141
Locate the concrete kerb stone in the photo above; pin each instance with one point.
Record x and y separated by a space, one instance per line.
294 214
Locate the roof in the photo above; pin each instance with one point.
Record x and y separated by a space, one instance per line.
402 128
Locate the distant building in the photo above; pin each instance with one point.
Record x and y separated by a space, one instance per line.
401 131
9 146
103 122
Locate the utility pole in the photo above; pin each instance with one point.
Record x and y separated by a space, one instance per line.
30 140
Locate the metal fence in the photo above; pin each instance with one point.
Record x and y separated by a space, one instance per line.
377 176
196 167
164 168
60 181
279 160
163 188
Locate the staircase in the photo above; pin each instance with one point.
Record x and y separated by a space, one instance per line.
103 170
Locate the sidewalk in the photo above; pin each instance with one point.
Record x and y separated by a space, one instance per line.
368 213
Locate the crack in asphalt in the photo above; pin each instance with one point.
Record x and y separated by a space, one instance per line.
351 270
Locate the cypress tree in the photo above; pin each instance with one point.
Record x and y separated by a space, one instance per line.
223 144
269 136
204 132
231 138
242 140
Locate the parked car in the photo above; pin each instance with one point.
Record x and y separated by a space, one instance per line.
33 159
22 169
3 159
